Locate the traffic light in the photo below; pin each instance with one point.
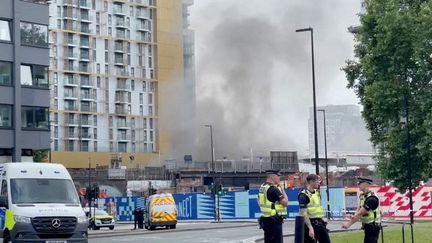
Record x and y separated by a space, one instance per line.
220 191
87 194
96 192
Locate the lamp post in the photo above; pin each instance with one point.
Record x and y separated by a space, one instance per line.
89 198
326 164
310 29
213 169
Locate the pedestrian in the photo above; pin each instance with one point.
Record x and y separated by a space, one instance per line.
135 214
311 209
273 203
368 212
141 219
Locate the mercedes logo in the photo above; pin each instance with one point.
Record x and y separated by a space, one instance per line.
56 223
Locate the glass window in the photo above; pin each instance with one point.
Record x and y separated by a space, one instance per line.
40 76
41 117
40 35
27 119
26 33
34 75
5 116
5 73
26 75
34 34
34 117
5 34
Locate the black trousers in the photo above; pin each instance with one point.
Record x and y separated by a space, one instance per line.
372 232
320 230
272 227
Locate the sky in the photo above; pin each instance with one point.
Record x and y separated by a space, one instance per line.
253 71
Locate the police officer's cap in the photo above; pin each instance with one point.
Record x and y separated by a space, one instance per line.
273 172
363 180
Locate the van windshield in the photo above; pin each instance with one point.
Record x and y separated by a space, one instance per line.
43 191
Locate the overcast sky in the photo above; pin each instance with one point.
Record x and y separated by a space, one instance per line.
253 71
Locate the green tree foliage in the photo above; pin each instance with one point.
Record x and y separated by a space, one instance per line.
392 68
41 155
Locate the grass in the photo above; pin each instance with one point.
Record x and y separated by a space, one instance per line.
392 234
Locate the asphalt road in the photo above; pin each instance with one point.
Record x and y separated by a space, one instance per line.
237 232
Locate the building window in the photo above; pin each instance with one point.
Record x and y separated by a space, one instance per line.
95 147
34 117
5 73
34 34
133 85
144 86
5 34
34 75
5 116
37 1
122 147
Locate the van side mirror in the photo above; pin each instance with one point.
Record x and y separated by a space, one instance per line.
3 202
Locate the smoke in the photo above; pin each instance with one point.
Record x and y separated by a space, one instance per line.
254 71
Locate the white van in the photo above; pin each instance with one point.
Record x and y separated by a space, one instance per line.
39 203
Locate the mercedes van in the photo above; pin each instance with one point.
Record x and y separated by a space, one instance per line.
39 203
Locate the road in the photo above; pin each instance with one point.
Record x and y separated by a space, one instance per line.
233 232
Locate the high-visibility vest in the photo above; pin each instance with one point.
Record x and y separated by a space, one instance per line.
372 216
268 208
314 208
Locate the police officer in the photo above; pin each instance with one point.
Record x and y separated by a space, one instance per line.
312 211
368 212
273 202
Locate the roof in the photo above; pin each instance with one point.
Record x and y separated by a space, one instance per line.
34 170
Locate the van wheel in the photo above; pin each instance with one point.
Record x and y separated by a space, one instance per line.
172 226
94 227
152 227
111 227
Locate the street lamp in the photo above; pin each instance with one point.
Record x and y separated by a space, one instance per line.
213 169
326 163
314 99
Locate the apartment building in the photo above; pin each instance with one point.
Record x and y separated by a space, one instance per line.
24 89
103 80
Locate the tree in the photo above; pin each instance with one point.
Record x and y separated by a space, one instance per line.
40 155
392 74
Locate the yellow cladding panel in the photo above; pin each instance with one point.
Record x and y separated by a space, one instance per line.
81 159
169 27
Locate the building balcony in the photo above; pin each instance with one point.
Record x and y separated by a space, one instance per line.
70 96
123 137
123 125
85 4
70 82
71 122
71 108
87 18
123 86
119 99
121 25
85 57
119 11
86 122
87 83
85 136
119 62
119 48
122 73
84 44
72 3
143 27
71 56
143 15
88 109
121 35
72 43
121 110
87 97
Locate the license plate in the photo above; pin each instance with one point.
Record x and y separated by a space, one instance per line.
55 241
107 222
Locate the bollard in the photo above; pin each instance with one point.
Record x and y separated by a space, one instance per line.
299 229
412 233
382 233
403 232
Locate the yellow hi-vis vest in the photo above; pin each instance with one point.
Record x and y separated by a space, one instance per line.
372 216
268 208
314 208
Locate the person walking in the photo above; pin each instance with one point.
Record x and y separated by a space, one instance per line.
368 212
311 209
273 203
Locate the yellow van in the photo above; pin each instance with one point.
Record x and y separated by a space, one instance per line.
160 211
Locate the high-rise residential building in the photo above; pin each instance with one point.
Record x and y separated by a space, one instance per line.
345 128
24 89
189 62
104 81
